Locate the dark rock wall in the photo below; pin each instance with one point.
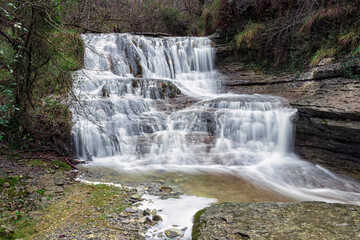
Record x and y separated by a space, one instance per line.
328 126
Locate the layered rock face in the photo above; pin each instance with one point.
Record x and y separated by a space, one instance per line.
277 221
328 119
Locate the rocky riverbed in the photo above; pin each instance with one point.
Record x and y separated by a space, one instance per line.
41 199
306 220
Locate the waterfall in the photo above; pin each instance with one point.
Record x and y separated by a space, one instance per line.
124 116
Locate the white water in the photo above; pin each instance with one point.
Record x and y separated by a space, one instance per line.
176 212
247 135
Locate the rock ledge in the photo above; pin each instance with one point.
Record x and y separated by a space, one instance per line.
305 220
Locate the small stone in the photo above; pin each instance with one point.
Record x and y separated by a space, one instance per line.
142 220
136 196
7 185
157 218
173 232
184 229
146 212
166 189
59 181
130 210
140 189
153 212
9 171
141 234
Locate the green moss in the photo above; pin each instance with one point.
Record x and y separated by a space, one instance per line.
197 224
62 165
36 162
54 163
41 192
13 181
79 202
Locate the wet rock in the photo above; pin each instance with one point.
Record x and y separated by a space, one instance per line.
173 232
166 189
157 218
131 210
136 196
141 235
306 220
160 234
143 220
153 212
146 212
328 126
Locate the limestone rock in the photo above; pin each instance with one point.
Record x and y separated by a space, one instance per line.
173 232
306 220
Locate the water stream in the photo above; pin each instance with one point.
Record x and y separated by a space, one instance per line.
124 119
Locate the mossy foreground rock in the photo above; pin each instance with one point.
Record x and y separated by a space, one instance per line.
306 220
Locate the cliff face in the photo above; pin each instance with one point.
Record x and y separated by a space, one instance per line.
328 125
328 119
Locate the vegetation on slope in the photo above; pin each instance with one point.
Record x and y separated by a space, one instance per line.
37 57
287 34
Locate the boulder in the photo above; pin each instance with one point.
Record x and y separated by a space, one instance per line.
306 220
173 232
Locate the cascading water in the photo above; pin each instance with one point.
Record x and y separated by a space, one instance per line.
136 128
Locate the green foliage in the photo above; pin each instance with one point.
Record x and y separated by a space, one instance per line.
248 35
209 18
13 181
351 65
321 54
175 23
289 35
37 54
